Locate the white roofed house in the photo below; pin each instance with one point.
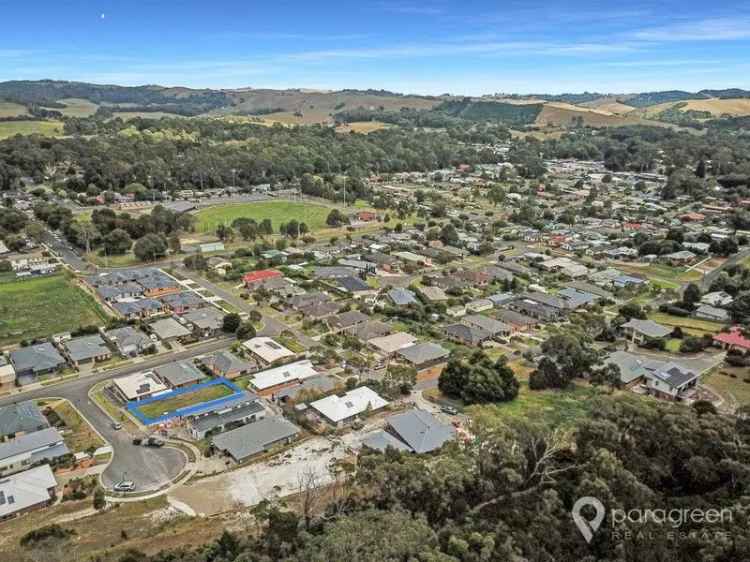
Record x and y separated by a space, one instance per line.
267 351
340 410
27 491
271 381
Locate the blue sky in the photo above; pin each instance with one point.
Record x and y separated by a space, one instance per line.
430 46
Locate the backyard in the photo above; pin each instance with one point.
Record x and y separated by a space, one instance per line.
205 394
41 307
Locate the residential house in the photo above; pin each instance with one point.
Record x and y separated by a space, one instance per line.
272 381
86 349
138 386
479 305
169 329
681 258
717 298
390 344
180 303
642 331
416 430
252 439
20 418
179 374
353 286
402 297
7 372
433 294
733 339
470 335
341 410
227 365
255 279
346 320
712 313
518 321
31 448
27 491
35 360
206 322
429 359
369 330
128 341
495 328
672 382
267 351
247 407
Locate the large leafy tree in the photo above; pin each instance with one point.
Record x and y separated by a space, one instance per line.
478 379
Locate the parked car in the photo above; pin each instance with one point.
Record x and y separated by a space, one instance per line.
450 410
154 442
137 441
125 486
117 426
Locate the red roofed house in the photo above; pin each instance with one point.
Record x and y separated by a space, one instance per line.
733 339
367 216
693 217
255 278
631 226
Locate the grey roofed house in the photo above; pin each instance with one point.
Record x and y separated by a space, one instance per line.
499 299
515 318
402 297
352 284
141 307
333 272
470 335
433 294
494 327
673 374
128 340
204 424
251 439
420 430
381 440
545 299
347 320
36 359
226 364
46 444
86 348
647 328
632 367
498 273
207 319
422 353
321 383
168 328
575 298
182 301
369 330
179 373
590 288
708 312
21 417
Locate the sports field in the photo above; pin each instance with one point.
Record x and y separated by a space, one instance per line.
279 212
44 306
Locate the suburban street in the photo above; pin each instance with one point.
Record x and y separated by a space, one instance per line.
149 468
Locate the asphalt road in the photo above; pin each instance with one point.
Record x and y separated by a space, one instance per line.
149 468
63 249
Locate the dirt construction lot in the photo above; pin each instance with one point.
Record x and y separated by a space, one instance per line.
276 477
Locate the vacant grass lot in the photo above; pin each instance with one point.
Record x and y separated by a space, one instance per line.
46 128
692 326
278 211
551 407
206 394
79 436
9 109
731 387
41 307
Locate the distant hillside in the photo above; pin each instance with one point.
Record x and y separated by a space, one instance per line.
654 98
512 114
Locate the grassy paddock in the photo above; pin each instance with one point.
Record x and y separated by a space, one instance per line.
278 211
45 128
693 326
44 306
80 436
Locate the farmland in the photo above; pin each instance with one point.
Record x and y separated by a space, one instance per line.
9 109
44 306
277 211
45 128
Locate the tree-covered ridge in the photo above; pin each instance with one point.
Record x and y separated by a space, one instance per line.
49 92
507 495
204 153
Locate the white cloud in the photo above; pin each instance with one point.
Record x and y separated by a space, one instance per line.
717 29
